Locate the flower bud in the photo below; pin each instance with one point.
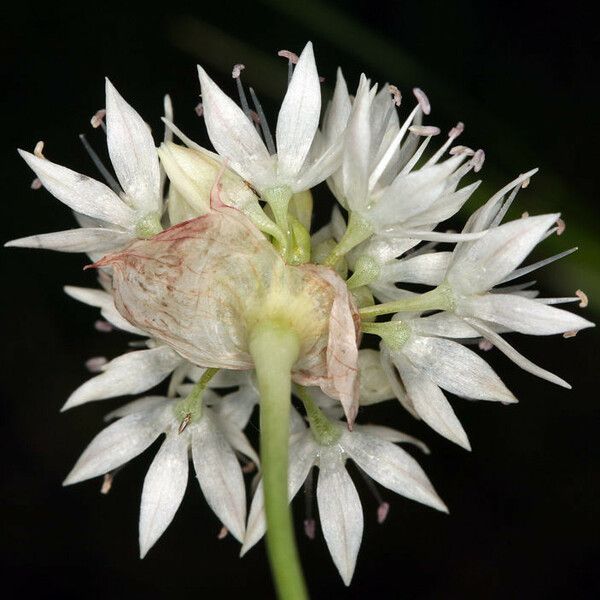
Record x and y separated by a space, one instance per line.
193 173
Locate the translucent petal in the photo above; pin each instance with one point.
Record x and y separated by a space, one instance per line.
340 512
164 488
391 466
75 240
487 261
219 474
118 444
456 368
132 153
232 133
81 193
524 315
298 118
430 402
130 373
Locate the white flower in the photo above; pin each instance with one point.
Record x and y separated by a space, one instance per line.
378 180
476 267
212 441
117 216
291 163
427 363
340 509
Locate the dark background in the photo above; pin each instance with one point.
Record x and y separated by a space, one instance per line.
524 503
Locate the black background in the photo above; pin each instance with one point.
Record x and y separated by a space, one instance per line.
524 503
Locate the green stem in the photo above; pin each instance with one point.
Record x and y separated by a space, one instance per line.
190 408
274 348
438 299
358 231
324 431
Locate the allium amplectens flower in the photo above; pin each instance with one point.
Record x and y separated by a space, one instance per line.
208 258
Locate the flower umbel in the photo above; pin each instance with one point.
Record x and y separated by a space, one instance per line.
209 259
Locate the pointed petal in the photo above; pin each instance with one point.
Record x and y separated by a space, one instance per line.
164 487
456 368
429 269
81 193
430 403
219 474
118 444
130 373
338 111
231 132
392 435
391 466
340 512
524 315
105 302
444 324
132 152
394 381
140 404
75 240
504 347
299 115
357 154
490 259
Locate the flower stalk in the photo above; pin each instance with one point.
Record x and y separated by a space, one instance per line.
439 298
275 348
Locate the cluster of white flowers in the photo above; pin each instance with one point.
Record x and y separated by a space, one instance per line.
197 249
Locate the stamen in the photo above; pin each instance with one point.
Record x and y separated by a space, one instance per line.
382 512
422 100
263 124
408 167
108 479
424 130
396 95
114 186
237 70
249 467
291 56
537 265
292 60
36 184
389 153
39 149
461 150
504 208
485 345
255 118
95 364
583 297
526 183
525 215
569 334
103 326
98 119
452 135
478 160
199 109
222 533
107 482
309 520
561 226
310 528
383 507
236 74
